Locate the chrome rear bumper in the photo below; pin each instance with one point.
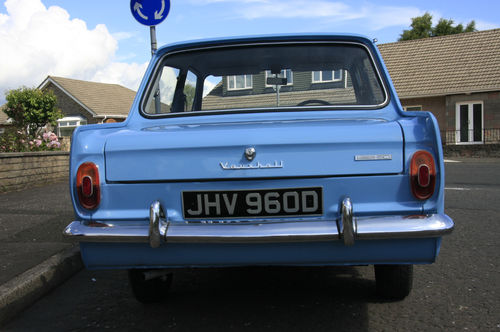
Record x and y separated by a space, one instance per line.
347 228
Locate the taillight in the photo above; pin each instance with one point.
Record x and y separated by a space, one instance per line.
422 175
87 185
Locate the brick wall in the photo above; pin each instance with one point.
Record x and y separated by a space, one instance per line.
491 108
436 105
69 107
27 169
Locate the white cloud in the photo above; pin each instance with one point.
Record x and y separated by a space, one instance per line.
483 25
123 35
387 16
126 74
38 41
298 9
373 16
208 85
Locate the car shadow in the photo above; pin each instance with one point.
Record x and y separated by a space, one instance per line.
225 299
269 298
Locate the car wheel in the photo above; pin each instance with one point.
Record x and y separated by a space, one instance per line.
394 281
147 289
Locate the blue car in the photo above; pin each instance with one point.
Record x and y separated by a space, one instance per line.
288 150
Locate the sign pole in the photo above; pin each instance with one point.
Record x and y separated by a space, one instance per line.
154 46
150 13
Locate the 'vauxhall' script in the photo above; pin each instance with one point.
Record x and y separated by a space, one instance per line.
258 165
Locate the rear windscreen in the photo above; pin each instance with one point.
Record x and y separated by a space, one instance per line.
266 77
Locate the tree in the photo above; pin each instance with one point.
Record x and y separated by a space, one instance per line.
189 92
31 109
421 27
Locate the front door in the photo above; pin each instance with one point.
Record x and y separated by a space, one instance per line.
469 122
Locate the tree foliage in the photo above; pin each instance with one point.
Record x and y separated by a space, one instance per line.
421 27
189 92
31 109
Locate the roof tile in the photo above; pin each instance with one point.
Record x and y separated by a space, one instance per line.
461 63
101 98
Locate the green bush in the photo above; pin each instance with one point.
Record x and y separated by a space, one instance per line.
30 110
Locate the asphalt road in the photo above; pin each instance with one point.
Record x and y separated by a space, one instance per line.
30 227
460 292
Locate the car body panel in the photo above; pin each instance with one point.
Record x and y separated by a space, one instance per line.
360 153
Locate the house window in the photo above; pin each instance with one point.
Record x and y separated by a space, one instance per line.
469 123
67 125
239 82
285 73
412 108
326 76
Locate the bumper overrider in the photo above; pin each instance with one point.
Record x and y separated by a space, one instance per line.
347 228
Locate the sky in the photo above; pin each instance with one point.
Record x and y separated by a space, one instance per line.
99 40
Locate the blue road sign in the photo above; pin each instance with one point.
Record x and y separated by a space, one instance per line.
150 12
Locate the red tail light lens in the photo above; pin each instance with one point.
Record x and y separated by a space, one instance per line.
87 185
422 175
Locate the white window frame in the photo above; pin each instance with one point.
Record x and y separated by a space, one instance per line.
246 85
470 118
285 71
321 80
413 106
64 123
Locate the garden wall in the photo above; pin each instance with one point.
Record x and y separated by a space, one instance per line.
26 169
473 151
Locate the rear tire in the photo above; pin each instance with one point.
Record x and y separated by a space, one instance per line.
394 281
151 290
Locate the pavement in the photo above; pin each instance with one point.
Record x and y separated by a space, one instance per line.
34 255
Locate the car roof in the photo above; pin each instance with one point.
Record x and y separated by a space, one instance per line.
303 37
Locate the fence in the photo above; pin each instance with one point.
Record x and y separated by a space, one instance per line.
473 136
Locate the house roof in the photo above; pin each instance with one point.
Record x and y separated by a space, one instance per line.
99 99
453 64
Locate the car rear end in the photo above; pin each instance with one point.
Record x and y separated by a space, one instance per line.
227 160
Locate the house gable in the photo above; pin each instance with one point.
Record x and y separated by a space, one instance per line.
100 100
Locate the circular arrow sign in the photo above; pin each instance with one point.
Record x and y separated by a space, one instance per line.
150 12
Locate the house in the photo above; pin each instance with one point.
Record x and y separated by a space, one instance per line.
456 77
84 102
4 120
240 91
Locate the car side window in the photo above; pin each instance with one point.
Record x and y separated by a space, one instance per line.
160 99
173 91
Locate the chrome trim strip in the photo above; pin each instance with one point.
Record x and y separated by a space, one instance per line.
374 227
83 232
416 226
370 157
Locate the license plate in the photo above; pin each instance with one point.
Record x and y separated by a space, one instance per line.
219 204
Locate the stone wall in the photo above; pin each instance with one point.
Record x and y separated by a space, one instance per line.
27 169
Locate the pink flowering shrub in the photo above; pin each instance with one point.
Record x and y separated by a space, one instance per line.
17 141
